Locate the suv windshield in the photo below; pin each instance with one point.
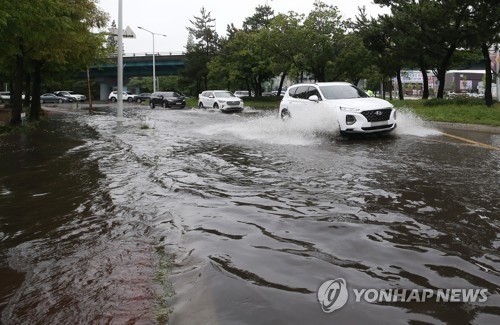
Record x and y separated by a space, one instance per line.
224 94
342 92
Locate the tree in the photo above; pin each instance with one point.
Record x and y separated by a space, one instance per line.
354 60
204 46
379 37
283 41
442 28
321 34
260 20
245 57
486 33
45 35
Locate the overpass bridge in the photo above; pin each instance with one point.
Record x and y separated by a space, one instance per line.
136 65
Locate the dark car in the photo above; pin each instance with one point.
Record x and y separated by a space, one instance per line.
167 99
52 98
145 96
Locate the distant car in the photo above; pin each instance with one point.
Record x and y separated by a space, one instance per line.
167 99
275 93
355 111
71 94
127 96
224 100
144 96
5 96
242 93
52 98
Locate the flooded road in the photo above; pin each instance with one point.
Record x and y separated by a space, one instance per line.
196 217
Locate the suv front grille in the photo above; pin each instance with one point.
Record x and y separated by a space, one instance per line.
235 103
377 115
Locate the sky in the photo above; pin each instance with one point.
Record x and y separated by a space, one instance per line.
172 17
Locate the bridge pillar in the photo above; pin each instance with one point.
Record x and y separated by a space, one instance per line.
105 90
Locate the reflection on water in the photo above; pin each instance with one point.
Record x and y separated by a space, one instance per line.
243 218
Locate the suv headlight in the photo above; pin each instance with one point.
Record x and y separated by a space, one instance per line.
350 109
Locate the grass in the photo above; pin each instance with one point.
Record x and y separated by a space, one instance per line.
468 111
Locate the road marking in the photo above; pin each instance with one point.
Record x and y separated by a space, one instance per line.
480 144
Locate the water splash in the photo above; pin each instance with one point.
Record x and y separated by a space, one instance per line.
411 124
301 130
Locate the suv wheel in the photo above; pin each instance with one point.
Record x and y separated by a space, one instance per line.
130 99
216 106
113 99
285 114
151 104
200 105
164 104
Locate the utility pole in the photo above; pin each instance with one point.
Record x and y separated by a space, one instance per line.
119 109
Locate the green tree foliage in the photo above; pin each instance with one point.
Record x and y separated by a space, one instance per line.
439 28
42 36
202 47
245 58
423 34
322 32
284 43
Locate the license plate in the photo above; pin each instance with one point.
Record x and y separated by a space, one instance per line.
380 123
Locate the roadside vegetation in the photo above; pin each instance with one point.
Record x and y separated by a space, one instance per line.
468 111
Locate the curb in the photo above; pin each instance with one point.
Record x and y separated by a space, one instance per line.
467 127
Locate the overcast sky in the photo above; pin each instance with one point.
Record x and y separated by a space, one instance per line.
172 17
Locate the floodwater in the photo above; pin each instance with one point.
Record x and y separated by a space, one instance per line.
197 217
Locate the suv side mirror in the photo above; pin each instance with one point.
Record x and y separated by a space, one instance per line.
314 98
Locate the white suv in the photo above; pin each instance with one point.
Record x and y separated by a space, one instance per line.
128 96
354 110
224 100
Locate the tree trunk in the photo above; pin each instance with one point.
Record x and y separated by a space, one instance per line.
443 66
488 96
425 78
400 86
282 81
36 107
17 92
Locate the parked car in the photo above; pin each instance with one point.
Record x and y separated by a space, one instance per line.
355 111
127 96
65 95
5 96
71 94
224 100
52 98
243 93
144 96
167 99
275 93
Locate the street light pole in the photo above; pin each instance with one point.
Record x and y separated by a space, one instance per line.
119 109
154 54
